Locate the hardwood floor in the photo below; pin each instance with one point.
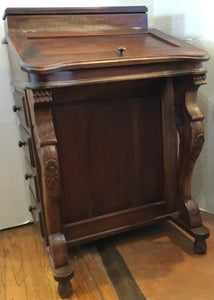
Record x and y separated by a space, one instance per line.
154 263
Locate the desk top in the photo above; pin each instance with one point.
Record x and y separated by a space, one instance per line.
46 40
48 52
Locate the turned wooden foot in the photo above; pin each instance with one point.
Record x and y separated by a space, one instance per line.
199 233
58 257
64 288
64 285
200 246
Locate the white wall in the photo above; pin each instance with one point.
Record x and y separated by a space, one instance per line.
193 20
184 19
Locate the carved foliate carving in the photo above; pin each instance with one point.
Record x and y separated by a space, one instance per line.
197 146
42 96
51 174
199 79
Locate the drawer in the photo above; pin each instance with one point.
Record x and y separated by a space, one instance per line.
35 210
25 143
31 177
20 108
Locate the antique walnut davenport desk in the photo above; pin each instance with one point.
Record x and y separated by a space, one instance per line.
100 99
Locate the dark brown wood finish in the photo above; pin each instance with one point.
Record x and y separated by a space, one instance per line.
37 57
118 172
100 99
72 11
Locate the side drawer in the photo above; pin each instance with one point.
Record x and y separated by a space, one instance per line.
33 208
25 143
31 177
20 108
36 213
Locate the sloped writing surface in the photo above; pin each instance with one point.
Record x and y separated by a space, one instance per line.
42 52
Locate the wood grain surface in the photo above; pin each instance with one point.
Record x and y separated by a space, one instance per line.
75 10
70 52
153 263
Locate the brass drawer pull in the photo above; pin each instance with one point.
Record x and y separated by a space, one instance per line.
121 50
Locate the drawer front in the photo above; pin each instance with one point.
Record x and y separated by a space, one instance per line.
36 213
20 108
25 143
31 177
33 208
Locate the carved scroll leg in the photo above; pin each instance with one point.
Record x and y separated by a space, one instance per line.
60 264
39 102
191 132
58 254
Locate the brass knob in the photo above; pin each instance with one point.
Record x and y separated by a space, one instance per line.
20 143
28 176
15 108
121 50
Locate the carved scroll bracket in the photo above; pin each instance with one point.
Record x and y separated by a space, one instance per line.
41 105
191 132
46 145
39 102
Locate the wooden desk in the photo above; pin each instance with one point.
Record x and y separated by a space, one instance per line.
100 99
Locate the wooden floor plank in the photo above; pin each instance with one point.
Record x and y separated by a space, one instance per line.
83 283
118 272
14 277
163 263
3 281
157 262
98 272
38 277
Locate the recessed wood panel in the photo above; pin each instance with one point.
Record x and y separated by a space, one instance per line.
110 156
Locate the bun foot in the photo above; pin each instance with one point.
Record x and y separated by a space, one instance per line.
64 288
200 246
